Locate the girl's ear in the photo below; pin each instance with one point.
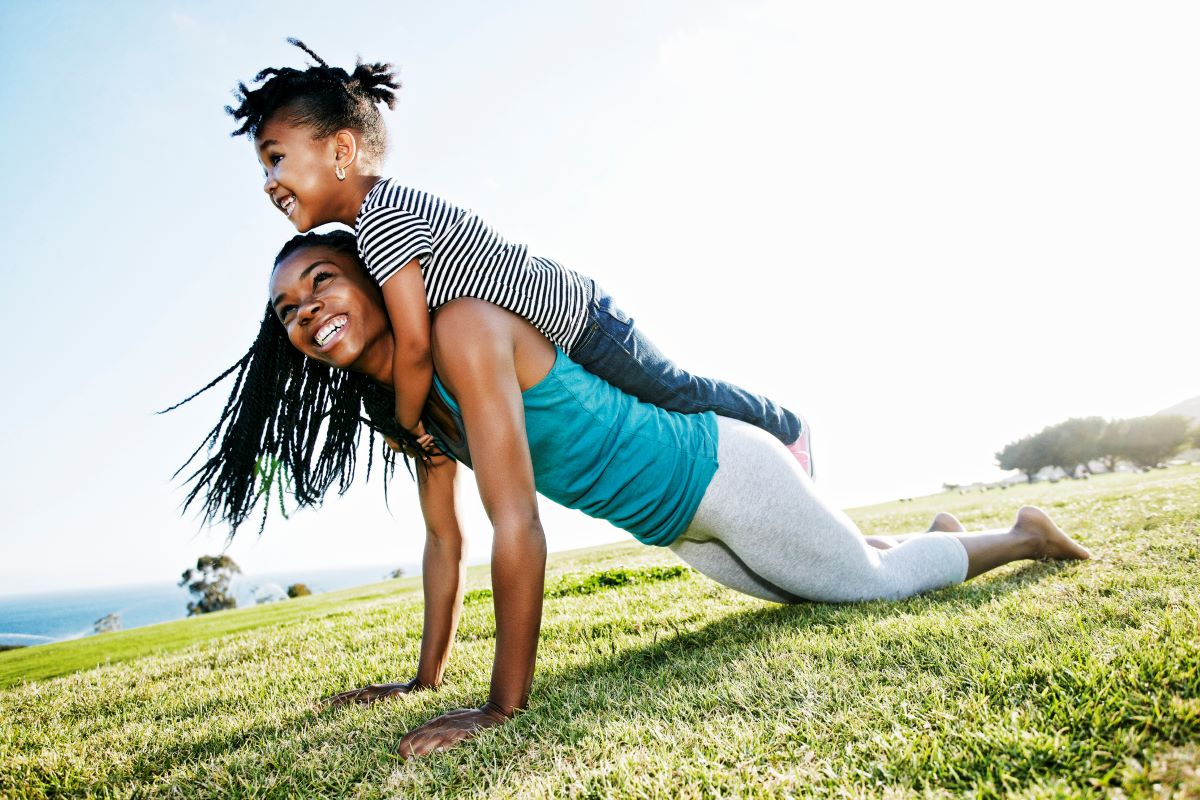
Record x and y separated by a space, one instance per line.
345 148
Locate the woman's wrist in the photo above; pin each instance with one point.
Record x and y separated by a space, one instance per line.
417 685
497 712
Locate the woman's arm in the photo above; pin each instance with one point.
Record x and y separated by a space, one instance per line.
480 370
442 577
443 569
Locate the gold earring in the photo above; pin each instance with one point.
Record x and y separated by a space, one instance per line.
341 173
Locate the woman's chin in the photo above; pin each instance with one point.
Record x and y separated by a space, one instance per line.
337 357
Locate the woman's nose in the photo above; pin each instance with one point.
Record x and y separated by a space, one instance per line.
309 309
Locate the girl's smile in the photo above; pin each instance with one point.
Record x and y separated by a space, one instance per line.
299 172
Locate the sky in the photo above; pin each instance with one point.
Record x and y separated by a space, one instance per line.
929 227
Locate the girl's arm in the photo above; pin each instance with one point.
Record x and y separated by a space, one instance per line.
482 374
412 365
442 576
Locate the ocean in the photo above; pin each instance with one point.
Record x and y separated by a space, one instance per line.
29 619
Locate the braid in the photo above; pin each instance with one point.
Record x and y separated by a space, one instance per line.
324 98
292 40
289 418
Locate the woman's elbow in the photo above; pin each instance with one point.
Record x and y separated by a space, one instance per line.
525 528
445 538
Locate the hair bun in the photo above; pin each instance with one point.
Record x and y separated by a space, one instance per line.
378 81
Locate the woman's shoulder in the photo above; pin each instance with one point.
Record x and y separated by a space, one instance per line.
472 336
468 327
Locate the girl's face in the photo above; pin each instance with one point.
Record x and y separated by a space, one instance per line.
299 172
332 311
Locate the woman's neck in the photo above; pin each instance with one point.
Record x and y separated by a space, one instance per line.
377 358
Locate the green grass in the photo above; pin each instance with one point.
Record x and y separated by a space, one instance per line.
1037 680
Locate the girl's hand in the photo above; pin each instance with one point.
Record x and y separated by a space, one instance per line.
449 729
372 693
424 441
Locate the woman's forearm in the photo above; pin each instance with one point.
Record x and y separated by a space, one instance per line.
442 579
518 578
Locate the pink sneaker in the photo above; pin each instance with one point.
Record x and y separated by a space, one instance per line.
802 449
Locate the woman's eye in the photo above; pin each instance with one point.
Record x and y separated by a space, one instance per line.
286 311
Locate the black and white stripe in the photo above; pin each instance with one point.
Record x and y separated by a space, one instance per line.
461 256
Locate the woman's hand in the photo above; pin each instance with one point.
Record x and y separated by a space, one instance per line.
449 729
373 693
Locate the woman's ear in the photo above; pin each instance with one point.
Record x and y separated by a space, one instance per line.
345 148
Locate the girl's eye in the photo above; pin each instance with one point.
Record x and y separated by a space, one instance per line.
275 159
321 276
286 311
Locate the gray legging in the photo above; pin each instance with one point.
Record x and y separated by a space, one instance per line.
760 529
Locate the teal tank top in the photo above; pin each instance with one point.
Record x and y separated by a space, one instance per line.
608 454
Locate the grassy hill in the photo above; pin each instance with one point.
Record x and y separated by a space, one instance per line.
1188 408
1035 680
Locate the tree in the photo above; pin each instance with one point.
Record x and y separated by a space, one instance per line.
298 590
108 623
1196 438
1076 442
1149 441
1112 443
209 582
1028 455
398 572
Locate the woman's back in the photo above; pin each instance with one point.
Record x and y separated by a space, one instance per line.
609 455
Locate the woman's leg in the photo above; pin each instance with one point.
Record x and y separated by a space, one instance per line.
942 521
713 558
762 508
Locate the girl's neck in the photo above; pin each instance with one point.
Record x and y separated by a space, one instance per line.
356 189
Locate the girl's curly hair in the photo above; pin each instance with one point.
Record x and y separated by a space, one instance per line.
324 98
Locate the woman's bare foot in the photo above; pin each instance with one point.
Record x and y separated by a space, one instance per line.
1050 542
947 523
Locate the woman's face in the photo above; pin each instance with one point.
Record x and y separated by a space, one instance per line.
331 310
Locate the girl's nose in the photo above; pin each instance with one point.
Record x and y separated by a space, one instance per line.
269 184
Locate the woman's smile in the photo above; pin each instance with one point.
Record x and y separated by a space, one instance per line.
332 311
330 333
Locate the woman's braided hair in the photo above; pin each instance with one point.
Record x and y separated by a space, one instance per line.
289 419
324 98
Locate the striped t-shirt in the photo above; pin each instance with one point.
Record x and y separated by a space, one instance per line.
461 256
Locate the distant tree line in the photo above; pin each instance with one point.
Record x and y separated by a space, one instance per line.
1079 442
210 583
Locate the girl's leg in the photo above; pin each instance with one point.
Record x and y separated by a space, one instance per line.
617 351
763 509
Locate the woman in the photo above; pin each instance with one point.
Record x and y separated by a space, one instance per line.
726 497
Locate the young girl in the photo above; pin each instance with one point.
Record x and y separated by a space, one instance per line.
322 141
